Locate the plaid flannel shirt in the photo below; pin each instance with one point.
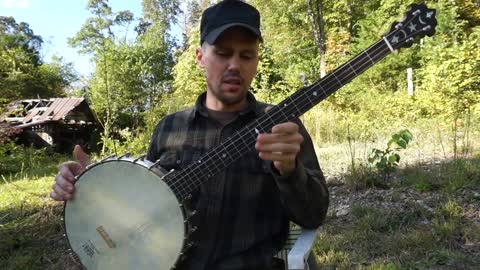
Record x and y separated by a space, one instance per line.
243 213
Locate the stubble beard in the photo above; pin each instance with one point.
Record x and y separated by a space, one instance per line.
230 100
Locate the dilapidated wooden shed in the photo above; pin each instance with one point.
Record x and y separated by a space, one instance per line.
56 122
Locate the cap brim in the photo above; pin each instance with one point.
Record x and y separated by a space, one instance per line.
214 34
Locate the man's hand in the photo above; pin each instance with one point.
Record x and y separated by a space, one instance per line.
64 186
281 146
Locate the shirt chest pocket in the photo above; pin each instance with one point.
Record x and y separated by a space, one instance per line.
178 159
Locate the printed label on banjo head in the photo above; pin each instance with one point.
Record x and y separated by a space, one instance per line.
89 249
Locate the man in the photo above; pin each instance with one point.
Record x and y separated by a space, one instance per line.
243 213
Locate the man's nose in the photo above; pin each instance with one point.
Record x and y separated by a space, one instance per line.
234 63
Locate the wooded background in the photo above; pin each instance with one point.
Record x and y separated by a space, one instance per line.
138 80
420 213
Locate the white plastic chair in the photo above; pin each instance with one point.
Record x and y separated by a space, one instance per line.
297 253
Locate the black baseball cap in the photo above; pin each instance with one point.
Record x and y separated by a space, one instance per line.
228 13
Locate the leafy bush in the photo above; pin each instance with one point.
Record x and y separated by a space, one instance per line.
19 159
387 160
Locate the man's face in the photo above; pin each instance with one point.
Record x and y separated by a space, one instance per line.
230 65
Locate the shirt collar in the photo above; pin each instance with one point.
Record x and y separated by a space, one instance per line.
199 108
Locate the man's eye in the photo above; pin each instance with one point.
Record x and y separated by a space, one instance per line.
222 53
247 56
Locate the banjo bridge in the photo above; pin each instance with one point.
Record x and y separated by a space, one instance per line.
105 237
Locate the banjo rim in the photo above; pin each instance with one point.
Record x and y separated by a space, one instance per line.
139 162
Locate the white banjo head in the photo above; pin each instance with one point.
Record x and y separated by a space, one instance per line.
123 216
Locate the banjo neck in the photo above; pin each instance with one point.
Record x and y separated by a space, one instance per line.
419 22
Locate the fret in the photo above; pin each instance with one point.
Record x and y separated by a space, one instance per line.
272 122
198 174
285 118
352 69
307 94
348 74
369 58
215 165
233 146
221 157
338 80
243 145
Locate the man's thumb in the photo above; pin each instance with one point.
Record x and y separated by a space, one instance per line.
81 156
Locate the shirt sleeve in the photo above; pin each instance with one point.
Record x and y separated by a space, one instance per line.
304 193
153 152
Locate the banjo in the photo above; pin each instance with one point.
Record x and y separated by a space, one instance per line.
127 212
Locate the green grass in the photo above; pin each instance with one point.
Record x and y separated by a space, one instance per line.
430 220
391 239
31 229
30 226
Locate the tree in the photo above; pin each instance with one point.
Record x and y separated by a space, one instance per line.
131 75
22 73
315 13
97 37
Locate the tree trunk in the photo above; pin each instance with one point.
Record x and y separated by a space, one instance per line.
316 19
109 120
350 18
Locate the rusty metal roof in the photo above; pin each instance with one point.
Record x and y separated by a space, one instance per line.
40 110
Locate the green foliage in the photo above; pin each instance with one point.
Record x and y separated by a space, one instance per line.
22 73
189 80
387 160
131 76
17 159
451 177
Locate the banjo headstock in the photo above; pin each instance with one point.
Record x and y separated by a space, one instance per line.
419 21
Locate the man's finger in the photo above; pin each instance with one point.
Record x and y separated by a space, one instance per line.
81 156
288 127
55 196
70 169
276 156
278 147
62 194
64 184
279 138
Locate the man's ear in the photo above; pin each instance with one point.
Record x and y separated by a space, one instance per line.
199 57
